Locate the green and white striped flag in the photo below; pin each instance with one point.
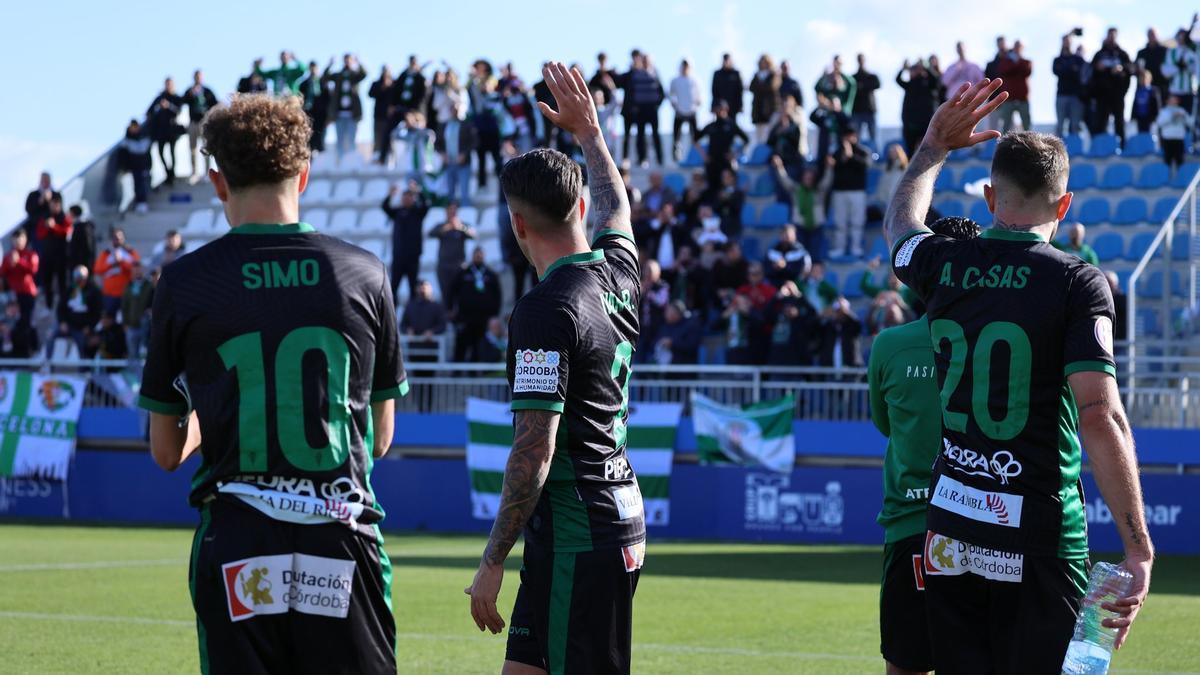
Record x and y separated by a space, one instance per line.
753 435
38 419
651 448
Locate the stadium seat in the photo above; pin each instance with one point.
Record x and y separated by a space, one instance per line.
832 277
1163 208
1109 246
677 182
960 155
980 214
774 215
1186 173
749 215
1139 145
987 150
693 159
743 181
1152 287
375 190
951 208
491 251
879 248
1148 323
318 218
373 221
759 155
1130 211
469 215
317 192
1074 143
852 288
351 163
1123 279
434 217
1153 176
200 223
1094 211
1117 176
322 163
488 222
751 248
945 181
376 247
1082 177
972 174
1139 245
1181 246
346 190
764 186
343 222
1104 145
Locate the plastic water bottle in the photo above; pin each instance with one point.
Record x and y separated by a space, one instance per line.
1092 645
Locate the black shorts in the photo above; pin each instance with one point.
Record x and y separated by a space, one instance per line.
574 611
903 630
273 597
997 612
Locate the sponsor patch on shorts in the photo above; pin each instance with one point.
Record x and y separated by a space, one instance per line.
535 370
950 557
634 556
918 571
996 508
905 254
277 584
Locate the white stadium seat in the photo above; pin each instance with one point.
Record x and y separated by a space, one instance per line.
200 222
346 190
317 192
374 246
491 251
487 220
373 221
469 215
375 190
344 221
318 218
351 163
324 162
436 216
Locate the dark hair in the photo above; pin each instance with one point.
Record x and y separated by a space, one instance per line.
956 228
76 210
258 139
1034 163
546 180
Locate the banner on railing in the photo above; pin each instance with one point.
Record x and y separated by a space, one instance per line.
38 419
755 435
650 448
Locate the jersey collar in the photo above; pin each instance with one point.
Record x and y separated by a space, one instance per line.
274 228
574 259
1011 235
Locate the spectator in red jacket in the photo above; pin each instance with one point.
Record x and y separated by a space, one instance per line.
19 269
115 267
1014 69
52 233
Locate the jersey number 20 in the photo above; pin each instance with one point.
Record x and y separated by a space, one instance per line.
1020 366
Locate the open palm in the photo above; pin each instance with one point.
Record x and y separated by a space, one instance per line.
576 112
953 125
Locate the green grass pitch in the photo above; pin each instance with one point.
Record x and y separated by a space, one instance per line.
114 600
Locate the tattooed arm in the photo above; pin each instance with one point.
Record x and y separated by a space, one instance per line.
1105 433
525 474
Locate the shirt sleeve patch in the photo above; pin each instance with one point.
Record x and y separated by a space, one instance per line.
535 370
904 254
1104 333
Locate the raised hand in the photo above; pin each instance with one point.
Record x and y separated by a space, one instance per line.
953 125
576 112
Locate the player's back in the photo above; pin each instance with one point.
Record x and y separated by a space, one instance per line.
285 336
571 347
1010 318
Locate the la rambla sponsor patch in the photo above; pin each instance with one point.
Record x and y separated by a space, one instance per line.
535 370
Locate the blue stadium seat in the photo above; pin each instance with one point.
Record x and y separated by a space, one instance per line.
1074 143
1149 323
1163 208
759 155
987 150
751 248
743 181
879 248
1152 287
869 143
1139 145
1082 177
873 176
774 215
693 159
1153 176
1178 288
1186 173
1104 145
1094 211
1139 245
1117 176
677 182
950 208
1181 246
960 155
945 181
972 174
832 277
980 214
1109 246
1131 210
763 186
749 215
852 288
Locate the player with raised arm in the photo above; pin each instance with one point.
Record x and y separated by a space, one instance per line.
278 347
1022 335
568 484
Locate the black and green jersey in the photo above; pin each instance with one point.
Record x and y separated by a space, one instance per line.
570 350
906 409
280 339
1010 318
1083 252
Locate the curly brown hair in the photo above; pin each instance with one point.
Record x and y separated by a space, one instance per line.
257 139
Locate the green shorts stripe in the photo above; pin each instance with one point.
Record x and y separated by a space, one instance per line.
202 638
561 586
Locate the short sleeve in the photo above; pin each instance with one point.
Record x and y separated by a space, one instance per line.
620 250
1089 331
164 357
389 380
541 339
916 257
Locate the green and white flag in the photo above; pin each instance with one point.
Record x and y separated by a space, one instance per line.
651 448
38 419
753 435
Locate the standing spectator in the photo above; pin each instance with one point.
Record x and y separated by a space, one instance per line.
407 218
731 270
992 71
605 79
1111 71
849 198
1015 71
494 344
114 266
199 100
133 157
787 259
109 341
1068 102
657 194
606 115
162 118
1076 246
795 328
135 310
487 109
452 237
787 135
53 231
519 125
816 289
458 141
347 104
761 295
646 93
410 90
284 78
479 83
727 86
684 93
1180 67
253 83
658 238
81 248
1173 124
841 335
836 84
447 99
474 301
656 293
37 202
542 94
961 72
19 271
721 133
893 170
678 339
423 318
803 200
788 86
687 278
315 95
764 102
1146 103
921 98
382 91
727 201
167 252
863 111
1150 60
830 120
79 309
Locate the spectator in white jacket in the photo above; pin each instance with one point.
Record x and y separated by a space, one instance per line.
1173 123
684 93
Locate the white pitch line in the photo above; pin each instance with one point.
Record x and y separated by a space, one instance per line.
96 565
142 621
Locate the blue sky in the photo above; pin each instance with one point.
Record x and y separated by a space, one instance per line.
76 72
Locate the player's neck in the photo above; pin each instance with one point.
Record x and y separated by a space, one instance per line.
552 251
1021 223
265 207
